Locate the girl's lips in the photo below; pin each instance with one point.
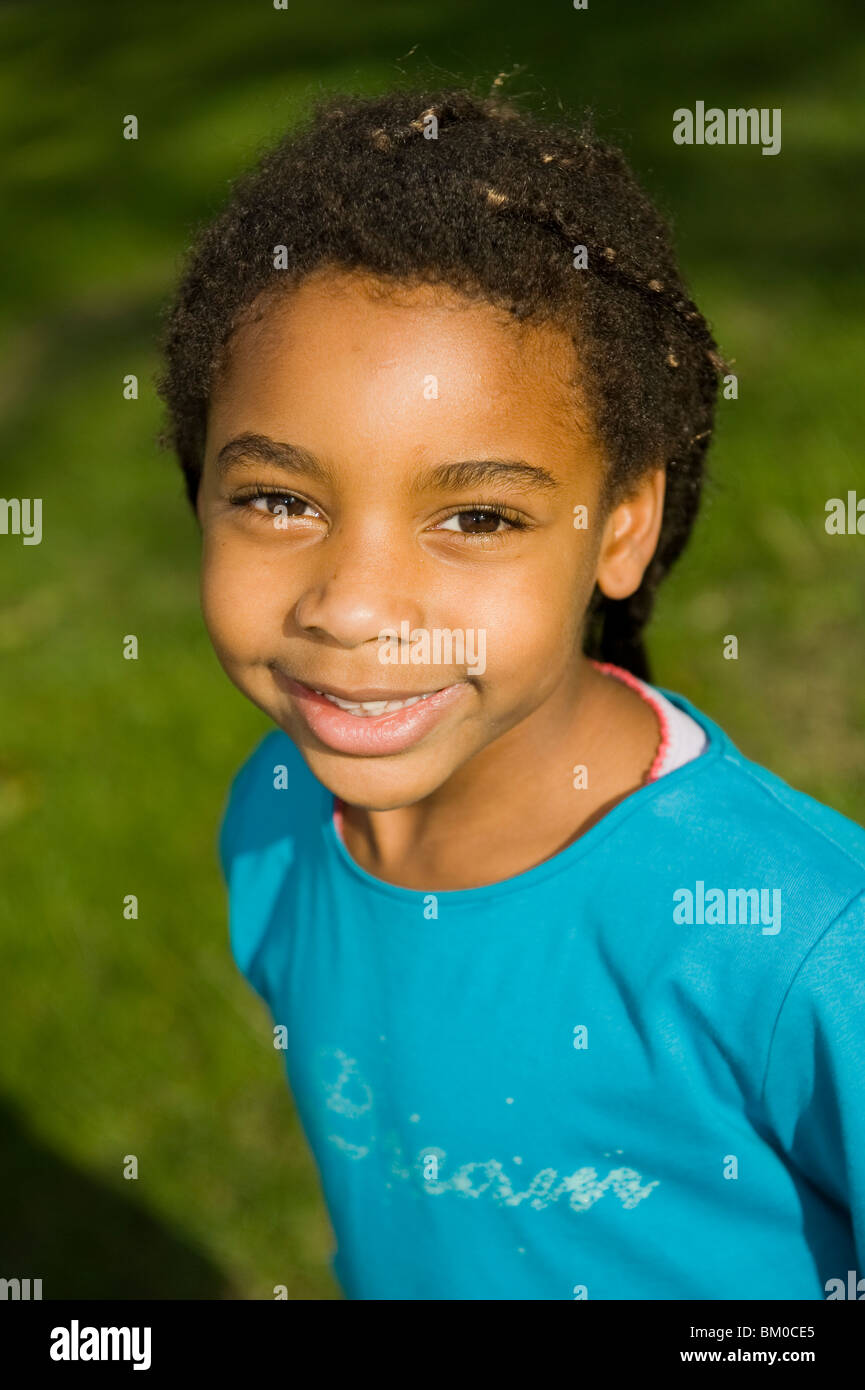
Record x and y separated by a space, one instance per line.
369 735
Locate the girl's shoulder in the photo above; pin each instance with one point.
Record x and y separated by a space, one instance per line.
272 794
778 799
743 814
273 806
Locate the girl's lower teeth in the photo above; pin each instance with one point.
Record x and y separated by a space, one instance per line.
370 709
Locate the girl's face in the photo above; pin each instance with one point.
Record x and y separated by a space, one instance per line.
388 511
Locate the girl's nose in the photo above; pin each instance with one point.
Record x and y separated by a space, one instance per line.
361 593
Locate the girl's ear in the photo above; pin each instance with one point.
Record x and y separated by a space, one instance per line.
630 536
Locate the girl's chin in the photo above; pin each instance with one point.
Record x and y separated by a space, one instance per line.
379 788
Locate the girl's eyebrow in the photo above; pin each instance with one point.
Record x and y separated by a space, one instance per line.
444 477
260 448
455 477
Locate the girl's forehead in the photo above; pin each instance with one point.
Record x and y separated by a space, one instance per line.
351 335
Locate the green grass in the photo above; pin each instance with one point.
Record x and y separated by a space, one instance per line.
139 1037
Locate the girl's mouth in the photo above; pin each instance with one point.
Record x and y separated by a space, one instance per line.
367 708
375 722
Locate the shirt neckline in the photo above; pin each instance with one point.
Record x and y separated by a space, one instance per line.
717 745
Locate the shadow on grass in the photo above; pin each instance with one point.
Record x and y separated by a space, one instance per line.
84 1239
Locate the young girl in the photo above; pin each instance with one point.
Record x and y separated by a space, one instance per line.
571 992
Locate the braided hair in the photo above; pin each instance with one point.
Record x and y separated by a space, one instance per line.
459 189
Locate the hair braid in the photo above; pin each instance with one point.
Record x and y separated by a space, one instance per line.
614 627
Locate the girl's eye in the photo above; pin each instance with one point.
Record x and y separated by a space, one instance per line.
286 504
481 521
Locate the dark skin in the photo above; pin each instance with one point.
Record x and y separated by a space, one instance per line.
341 368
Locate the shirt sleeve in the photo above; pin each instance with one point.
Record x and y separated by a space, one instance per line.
814 1088
251 854
234 811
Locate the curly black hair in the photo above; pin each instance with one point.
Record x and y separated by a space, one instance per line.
468 191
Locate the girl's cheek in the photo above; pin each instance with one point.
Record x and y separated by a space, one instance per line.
232 598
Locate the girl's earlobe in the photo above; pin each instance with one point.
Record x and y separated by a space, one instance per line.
630 537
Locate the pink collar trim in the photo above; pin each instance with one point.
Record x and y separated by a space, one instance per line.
607 668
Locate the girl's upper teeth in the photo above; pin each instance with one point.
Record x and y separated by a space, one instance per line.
373 707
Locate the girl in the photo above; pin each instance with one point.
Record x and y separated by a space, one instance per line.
570 990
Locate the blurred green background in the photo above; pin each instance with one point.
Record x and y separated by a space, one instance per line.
139 1037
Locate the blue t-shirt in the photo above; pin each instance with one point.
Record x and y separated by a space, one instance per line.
634 1071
